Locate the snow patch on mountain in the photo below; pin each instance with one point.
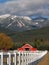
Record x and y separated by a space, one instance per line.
5 16
36 23
25 17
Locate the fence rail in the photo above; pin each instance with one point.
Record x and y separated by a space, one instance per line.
20 57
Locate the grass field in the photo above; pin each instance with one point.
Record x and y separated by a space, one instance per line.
45 60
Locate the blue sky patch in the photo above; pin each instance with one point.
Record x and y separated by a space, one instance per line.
2 1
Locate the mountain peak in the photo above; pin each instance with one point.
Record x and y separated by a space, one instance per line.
5 15
14 16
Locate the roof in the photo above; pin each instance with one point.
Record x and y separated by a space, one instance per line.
27 46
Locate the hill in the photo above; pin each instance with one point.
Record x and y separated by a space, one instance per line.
30 35
38 38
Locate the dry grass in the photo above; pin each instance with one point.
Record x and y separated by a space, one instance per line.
45 60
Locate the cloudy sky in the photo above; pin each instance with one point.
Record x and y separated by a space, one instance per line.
24 7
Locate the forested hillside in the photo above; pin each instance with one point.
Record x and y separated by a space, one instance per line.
38 38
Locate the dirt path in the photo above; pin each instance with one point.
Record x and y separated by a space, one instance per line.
45 60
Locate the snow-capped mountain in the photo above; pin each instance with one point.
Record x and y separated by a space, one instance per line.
21 23
5 16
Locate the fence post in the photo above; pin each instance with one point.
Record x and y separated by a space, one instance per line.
22 59
9 59
2 58
19 58
14 58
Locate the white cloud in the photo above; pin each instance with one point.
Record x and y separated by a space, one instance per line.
25 7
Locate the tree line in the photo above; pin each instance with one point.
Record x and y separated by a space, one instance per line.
6 43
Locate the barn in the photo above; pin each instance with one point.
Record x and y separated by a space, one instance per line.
27 47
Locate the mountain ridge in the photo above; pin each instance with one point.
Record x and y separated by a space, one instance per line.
22 23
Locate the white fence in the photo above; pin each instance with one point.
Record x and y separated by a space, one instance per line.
20 58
